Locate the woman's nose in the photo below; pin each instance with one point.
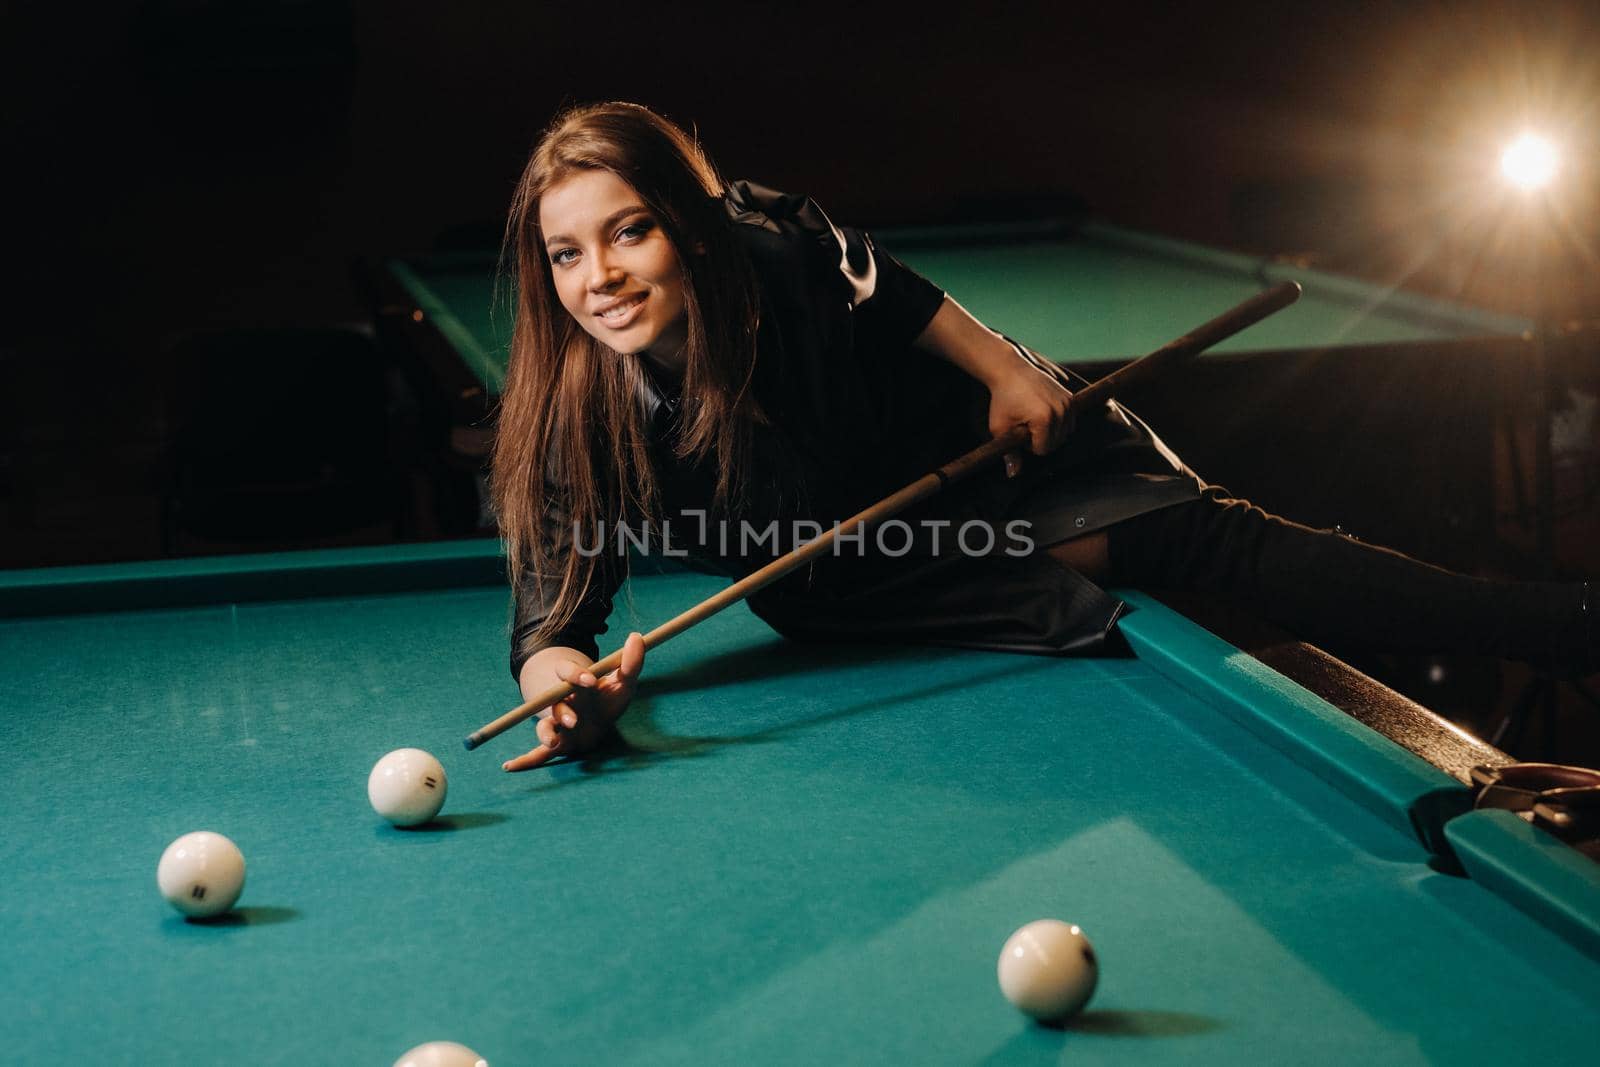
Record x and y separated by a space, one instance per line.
603 273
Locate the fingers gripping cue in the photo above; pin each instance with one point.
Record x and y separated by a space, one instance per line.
1190 344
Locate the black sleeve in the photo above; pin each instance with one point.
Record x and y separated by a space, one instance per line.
897 303
533 604
892 303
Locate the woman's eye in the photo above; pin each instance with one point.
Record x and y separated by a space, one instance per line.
634 230
562 257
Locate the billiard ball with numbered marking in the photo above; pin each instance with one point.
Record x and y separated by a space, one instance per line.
407 787
201 874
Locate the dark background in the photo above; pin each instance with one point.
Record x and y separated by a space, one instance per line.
188 166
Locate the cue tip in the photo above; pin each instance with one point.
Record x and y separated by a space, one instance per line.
470 742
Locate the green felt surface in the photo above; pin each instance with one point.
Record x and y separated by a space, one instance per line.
458 293
1110 294
249 577
1095 293
1497 847
808 854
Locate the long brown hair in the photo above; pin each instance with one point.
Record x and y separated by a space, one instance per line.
571 438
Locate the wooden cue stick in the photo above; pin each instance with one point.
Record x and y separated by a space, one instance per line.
1223 326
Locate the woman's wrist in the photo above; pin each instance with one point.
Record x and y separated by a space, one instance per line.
993 361
955 336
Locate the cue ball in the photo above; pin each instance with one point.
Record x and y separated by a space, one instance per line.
441 1054
201 874
1048 969
407 787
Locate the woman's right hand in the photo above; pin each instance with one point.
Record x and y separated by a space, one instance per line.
574 725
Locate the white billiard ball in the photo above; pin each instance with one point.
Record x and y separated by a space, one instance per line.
201 874
441 1054
407 787
1048 969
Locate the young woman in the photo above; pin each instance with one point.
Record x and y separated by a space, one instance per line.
700 360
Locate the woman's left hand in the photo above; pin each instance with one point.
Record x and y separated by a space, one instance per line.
1029 396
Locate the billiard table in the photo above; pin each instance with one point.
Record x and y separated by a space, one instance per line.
1304 414
797 853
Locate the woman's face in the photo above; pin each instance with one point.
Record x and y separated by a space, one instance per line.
615 269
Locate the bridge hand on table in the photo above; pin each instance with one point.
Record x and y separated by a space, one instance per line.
575 725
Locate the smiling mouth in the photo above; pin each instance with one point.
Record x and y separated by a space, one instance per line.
622 312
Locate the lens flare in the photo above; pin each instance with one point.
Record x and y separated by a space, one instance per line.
1529 162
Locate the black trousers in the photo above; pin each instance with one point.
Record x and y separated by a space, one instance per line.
1328 587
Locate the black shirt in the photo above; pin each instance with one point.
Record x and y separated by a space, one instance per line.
856 413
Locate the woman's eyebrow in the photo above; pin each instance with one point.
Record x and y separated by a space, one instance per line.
605 224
